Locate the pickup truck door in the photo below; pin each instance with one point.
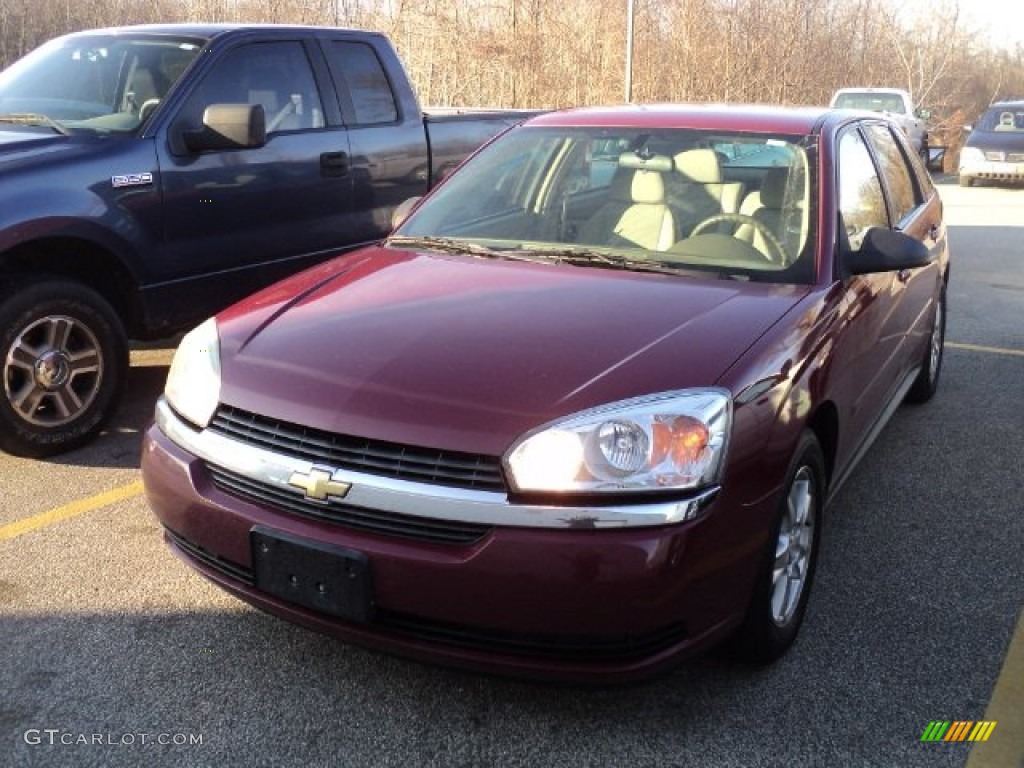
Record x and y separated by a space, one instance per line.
241 218
387 135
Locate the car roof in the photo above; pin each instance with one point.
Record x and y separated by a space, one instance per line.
756 118
204 30
870 89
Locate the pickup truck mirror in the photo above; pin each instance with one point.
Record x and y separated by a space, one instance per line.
887 250
402 211
924 114
968 128
229 126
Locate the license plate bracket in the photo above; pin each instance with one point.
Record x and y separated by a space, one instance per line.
323 577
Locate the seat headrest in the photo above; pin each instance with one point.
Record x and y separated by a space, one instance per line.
773 187
699 166
640 186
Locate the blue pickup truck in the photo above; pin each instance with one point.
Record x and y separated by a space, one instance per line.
151 175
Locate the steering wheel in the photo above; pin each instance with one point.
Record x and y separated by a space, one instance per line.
778 254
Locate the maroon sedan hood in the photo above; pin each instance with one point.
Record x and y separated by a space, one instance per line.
468 354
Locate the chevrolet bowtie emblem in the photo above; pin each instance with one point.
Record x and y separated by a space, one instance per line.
318 484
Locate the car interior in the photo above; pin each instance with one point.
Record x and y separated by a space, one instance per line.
732 203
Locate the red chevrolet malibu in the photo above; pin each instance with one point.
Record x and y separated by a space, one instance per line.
581 414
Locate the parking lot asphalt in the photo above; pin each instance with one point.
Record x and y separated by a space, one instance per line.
114 653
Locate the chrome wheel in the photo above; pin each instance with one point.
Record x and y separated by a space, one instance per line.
53 371
793 547
935 347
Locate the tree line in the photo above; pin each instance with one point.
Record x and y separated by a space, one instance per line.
543 53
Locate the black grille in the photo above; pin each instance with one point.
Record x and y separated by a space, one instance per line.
228 568
375 521
375 457
579 648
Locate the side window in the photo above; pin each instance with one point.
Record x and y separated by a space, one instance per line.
860 193
276 75
368 86
899 178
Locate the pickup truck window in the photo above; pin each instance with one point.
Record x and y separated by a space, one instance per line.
873 102
368 86
276 75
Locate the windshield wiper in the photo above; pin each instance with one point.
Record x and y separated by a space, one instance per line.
590 258
453 245
32 118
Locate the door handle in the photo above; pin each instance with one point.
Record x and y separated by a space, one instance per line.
334 164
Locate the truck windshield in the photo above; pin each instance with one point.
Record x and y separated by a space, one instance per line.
721 203
873 102
101 83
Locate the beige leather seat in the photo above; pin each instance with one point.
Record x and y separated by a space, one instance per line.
766 205
698 190
636 213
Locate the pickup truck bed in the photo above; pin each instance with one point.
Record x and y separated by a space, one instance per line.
149 176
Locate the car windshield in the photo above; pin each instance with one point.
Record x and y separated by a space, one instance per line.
1003 118
682 201
98 83
873 102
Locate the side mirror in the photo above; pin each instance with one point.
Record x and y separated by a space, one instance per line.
924 114
968 128
229 126
401 213
887 250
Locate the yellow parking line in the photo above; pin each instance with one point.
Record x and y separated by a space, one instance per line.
993 350
1006 707
67 511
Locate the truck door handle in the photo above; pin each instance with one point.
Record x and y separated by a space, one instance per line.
334 164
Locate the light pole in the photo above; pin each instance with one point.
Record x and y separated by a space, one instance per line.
629 51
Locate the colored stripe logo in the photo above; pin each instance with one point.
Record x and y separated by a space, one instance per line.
958 730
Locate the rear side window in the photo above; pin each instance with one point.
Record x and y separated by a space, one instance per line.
898 177
368 85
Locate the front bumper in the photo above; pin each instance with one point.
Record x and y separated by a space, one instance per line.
993 170
553 601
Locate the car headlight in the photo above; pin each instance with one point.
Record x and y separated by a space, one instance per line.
193 384
971 156
670 441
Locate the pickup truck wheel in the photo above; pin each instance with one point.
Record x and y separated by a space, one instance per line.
783 584
64 361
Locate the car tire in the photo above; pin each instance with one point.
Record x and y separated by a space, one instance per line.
927 381
784 580
966 181
63 364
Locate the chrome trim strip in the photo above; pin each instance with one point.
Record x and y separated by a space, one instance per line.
414 499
